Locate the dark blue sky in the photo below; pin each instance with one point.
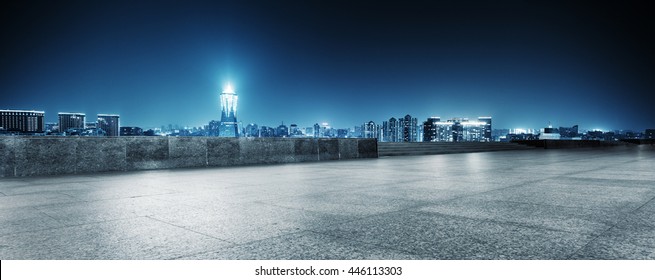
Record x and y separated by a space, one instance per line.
524 63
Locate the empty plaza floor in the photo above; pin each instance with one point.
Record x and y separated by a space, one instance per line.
530 204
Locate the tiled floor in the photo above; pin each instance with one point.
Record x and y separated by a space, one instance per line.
532 204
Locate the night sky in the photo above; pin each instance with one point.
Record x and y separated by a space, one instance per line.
524 63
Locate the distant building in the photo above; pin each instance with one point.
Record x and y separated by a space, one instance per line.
90 125
213 127
252 130
391 131
317 130
358 131
229 126
109 123
293 130
370 130
131 131
282 131
409 129
550 133
457 130
266 131
51 127
22 121
649 133
430 129
486 131
568 132
71 123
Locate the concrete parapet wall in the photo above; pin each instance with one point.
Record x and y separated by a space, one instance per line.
30 156
435 148
567 144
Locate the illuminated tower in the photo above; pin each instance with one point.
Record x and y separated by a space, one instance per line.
229 126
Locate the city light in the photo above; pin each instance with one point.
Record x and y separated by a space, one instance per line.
228 89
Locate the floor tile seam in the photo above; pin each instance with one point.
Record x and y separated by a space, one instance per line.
48 215
376 245
570 256
641 206
347 218
65 225
188 229
555 205
119 198
40 193
240 244
72 203
548 205
516 224
517 185
586 179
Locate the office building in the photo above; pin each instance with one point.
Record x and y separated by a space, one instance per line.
22 121
486 130
71 123
229 126
109 123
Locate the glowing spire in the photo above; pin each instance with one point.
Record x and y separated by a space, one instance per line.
228 89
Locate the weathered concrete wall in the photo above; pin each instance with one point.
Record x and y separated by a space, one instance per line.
567 144
435 148
29 156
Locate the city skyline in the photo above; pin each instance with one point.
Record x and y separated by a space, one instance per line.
345 63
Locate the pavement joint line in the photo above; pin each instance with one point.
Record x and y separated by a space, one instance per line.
553 205
371 244
188 229
511 223
64 225
589 242
638 208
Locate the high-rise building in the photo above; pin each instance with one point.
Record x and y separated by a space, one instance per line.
22 121
317 130
486 132
71 121
370 130
109 123
282 131
229 125
457 130
390 131
430 129
409 129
